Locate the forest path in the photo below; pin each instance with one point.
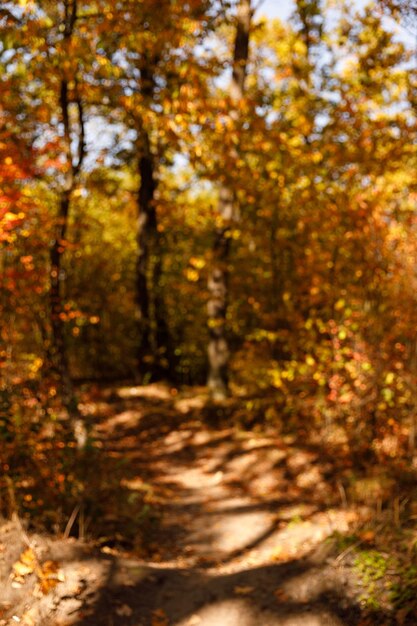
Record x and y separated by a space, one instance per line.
205 526
243 519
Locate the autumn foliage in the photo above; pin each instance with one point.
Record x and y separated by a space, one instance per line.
119 133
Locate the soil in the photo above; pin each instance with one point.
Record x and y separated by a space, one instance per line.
237 529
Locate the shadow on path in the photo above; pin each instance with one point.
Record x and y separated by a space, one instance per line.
291 594
240 515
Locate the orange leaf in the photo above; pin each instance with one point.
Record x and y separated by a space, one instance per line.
244 590
280 595
159 618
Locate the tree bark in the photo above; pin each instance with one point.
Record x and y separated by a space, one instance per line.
146 237
155 354
74 164
218 281
57 348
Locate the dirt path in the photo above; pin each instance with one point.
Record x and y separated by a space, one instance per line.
240 535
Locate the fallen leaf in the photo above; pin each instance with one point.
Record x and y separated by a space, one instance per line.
244 590
159 618
218 477
159 613
46 585
279 554
281 595
21 569
60 576
49 575
49 567
108 550
124 611
368 536
26 564
28 557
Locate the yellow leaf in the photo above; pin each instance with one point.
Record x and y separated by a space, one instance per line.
21 569
192 275
26 564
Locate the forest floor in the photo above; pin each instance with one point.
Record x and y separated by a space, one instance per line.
200 524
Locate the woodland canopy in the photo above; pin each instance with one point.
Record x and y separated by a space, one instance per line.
194 193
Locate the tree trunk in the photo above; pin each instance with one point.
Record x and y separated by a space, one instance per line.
218 281
155 354
163 337
57 348
74 164
146 238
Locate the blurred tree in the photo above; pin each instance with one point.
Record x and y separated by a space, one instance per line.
226 219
